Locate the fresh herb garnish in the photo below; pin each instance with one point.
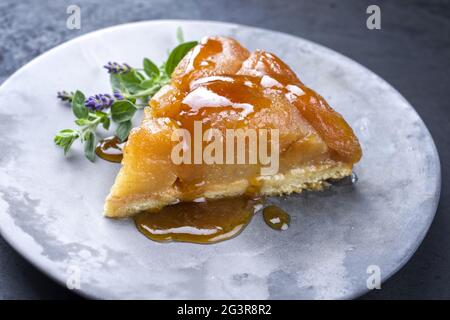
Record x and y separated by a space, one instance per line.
65 96
123 130
180 35
65 138
122 111
132 88
177 54
79 109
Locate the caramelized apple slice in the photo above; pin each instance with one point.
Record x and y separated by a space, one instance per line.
213 56
329 124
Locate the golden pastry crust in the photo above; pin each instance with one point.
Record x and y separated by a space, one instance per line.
311 177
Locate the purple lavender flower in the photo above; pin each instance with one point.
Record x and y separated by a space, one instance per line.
99 102
114 67
118 95
65 96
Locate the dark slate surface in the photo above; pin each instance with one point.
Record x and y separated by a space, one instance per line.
411 51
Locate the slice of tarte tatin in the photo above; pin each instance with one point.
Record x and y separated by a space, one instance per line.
221 85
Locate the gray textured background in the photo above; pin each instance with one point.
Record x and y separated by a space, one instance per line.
411 52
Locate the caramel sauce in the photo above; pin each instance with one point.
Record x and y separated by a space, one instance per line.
198 222
199 61
202 55
217 101
206 222
276 218
110 149
222 102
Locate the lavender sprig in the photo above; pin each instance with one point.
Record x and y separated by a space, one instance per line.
65 96
99 102
118 95
115 68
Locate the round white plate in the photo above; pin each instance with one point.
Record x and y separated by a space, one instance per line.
51 206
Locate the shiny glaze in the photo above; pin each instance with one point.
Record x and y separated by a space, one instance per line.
276 218
202 55
198 222
213 56
110 149
221 102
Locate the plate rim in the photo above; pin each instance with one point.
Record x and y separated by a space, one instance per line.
40 264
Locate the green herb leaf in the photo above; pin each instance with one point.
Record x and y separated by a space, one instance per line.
116 82
89 145
106 122
65 139
78 107
123 130
103 118
83 122
180 36
147 83
122 110
177 54
138 75
99 114
126 82
150 68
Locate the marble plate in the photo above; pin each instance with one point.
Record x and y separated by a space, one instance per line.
51 206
